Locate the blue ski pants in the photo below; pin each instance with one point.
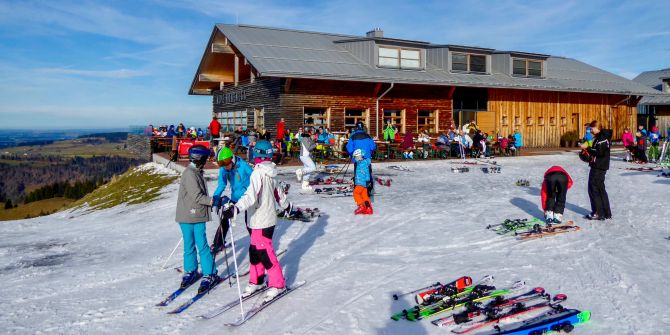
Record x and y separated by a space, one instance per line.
195 234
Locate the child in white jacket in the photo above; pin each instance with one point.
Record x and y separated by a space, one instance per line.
259 201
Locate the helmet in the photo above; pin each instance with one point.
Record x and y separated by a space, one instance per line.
198 154
358 153
360 125
263 148
224 153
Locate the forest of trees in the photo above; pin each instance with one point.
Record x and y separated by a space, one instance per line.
53 175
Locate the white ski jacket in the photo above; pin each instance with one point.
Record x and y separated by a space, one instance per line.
261 197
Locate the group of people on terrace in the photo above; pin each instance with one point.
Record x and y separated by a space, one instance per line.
179 131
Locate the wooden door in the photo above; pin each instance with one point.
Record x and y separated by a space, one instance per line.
574 121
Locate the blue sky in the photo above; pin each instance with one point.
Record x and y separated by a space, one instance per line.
72 64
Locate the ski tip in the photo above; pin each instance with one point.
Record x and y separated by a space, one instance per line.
560 297
584 316
395 297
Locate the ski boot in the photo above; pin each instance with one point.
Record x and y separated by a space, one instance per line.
208 282
251 289
368 208
360 210
485 170
549 217
189 279
558 218
272 293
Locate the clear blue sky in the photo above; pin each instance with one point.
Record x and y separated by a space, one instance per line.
70 64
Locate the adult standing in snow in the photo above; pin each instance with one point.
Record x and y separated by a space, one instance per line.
361 180
193 207
306 147
599 163
233 171
555 187
281 129
360 139
260 199
214 129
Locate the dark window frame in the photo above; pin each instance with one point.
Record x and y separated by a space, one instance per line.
399 58
469 67
528 72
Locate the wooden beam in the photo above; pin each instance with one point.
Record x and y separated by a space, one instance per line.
245 61
252 77
287 85
221 86
214 78
237 70
450 95
202 91
378 88
219 48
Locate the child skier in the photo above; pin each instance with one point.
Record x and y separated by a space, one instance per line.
554 190
193 206
654 140
306 147
233 171
259 199
361 180
641 148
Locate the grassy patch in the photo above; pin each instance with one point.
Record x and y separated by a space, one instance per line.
71 148
136 186
34 209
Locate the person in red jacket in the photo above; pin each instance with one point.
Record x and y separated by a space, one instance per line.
214 130
280 135
555 187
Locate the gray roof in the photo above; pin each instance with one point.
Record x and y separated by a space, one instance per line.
279 52
654 80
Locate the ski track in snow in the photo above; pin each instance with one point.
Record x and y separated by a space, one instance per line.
100 272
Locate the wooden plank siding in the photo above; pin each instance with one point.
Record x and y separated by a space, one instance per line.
262 93
569 110
337 96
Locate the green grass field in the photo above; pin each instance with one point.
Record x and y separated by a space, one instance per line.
34 209
71 148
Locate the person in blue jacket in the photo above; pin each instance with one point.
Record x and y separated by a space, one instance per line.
518 139
359 139
235 171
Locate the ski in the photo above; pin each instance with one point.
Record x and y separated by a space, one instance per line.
197 297
512 312
552 321
175 294
498 302
514 225
450 289
260 305
220 310
548 230
384 181
399 168
478 294
300 214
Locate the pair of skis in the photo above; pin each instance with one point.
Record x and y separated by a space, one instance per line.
538 231
300 214
512 225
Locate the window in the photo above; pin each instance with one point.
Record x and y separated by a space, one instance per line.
468 62
259 118
504 120
316 117
399 58
527 67
540 121
231 120
352 116
396 117
426 119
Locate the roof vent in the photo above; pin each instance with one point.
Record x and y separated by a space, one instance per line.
375 33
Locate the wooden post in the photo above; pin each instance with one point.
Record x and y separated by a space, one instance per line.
252 77
237 70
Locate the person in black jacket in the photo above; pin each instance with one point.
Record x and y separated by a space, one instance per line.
599 163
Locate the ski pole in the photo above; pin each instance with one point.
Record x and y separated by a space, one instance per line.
172 253
396 296
225 252
237 273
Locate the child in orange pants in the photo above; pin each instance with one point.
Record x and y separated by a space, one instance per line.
361 180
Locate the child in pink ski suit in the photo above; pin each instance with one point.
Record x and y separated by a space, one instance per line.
259 200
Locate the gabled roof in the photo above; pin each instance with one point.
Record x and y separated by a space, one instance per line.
276 52
654 79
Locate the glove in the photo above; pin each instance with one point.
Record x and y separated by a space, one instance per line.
225 200
216 201
229 211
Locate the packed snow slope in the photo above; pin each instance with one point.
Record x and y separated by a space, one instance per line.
100 272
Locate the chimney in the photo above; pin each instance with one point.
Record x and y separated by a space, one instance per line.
375 33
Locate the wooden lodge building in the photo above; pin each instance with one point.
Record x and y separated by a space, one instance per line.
655 110
257 75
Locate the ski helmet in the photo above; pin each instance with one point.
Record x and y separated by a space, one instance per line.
358 153
585 156
198 154
263 148
224 153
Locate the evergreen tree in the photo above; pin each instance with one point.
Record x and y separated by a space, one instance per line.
8 204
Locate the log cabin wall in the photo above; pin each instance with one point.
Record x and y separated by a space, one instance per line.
261 94
543 116
337 96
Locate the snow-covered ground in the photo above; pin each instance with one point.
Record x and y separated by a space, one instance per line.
100 272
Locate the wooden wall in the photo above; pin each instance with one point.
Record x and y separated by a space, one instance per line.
339 95
570 111
262 93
